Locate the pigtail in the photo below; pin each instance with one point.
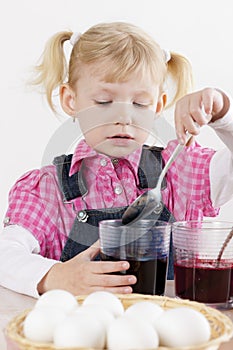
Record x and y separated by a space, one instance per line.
51 72
127 47
180 70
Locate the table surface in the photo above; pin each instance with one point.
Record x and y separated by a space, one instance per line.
12 304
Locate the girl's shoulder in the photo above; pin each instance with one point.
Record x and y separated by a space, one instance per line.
194 150
33 179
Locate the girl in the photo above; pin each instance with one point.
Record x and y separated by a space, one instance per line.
114 87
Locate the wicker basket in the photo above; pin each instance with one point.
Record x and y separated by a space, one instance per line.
221 325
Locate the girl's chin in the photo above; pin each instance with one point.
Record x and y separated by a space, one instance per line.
120 142
117 149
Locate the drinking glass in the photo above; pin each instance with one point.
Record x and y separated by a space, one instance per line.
145 245
201 273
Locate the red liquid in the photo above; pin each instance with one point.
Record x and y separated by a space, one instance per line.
231 291
151 274
207 284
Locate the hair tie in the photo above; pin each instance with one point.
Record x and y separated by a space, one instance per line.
74 38
167 55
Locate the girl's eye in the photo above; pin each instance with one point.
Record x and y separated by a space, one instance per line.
140 105
103 102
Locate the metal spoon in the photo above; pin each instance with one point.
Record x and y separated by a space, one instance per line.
150 200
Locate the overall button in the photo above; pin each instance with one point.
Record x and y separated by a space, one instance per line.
118 189
82 216
6 220
103 162
115 161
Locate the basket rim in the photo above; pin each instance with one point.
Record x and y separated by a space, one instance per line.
11 330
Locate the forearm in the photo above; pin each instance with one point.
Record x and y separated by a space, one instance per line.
53 279
21 267
224 128
221 165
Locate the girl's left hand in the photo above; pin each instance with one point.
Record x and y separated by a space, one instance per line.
200 108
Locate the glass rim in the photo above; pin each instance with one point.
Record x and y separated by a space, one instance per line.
208 224
142 222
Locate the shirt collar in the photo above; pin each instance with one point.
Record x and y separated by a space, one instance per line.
82 151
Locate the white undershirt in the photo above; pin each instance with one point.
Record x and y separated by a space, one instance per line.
221 164
21 266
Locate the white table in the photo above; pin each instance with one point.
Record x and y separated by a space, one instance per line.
11 304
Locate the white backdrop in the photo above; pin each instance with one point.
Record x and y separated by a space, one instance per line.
202 30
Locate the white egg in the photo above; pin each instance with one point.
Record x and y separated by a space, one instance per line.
40 323
102 314
79 330
58 298
145 310
182 326
105 299
126 333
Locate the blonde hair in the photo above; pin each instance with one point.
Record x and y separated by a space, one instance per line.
126 47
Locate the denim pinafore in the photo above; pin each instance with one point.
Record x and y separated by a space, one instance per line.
84 231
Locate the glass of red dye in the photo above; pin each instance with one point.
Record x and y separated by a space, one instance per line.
198 273
231 289
145 245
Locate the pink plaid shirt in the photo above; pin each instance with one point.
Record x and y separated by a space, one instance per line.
36 202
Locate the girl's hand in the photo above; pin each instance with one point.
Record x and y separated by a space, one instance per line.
199 107
81 275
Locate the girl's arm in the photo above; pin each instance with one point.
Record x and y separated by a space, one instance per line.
213 107
221 165
21 266
23 270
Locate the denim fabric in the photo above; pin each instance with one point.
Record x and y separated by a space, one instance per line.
85 232
74 186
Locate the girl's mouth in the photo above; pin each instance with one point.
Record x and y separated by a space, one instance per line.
121 140
121 136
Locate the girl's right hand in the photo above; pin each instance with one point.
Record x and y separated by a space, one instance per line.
200 107
81 275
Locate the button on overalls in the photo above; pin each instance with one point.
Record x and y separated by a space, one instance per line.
84 231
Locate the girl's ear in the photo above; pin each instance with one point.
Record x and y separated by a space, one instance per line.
162 100
67 99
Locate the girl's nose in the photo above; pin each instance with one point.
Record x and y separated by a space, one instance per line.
123 121
124 116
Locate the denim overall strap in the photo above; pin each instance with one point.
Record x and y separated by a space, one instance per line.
71 186
84 234
84 231
74 186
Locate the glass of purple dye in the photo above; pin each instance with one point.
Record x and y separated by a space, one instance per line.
198 273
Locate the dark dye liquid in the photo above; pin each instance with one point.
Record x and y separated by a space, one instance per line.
231 291
151 274
204 284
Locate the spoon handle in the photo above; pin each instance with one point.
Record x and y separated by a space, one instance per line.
173 157
227 240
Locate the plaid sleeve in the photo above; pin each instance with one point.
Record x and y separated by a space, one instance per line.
33 204
188 189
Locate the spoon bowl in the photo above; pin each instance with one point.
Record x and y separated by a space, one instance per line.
150 200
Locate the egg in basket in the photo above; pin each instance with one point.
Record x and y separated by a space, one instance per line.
103 320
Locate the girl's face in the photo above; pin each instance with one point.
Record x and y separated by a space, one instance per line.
115 118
